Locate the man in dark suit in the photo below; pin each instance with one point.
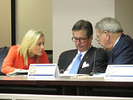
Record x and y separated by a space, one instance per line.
92 60
110 36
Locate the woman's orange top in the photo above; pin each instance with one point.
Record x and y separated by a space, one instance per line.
15 61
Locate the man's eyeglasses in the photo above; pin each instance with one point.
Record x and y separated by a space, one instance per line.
80 39
97 39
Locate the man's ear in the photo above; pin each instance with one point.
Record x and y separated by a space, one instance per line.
90 38
107 35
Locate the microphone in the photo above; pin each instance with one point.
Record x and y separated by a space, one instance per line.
61 71
93 68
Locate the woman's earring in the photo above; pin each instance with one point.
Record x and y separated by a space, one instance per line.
29 50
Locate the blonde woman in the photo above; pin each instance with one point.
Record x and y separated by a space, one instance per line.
31 51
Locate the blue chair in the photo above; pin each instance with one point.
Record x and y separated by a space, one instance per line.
3 53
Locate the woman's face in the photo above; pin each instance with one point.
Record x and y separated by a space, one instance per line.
38 50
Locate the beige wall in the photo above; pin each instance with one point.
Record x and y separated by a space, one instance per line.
34 14
67 12
5 23
124 13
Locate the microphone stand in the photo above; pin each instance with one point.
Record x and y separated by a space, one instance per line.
93 68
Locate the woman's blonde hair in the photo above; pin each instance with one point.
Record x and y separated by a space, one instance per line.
29 42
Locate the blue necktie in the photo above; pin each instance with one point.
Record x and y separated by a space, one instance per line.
75 65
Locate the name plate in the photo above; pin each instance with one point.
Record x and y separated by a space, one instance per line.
45 70
119 71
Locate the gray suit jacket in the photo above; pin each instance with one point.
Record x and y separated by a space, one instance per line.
95 59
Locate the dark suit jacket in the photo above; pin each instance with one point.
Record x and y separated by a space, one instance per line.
122 53
100 65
